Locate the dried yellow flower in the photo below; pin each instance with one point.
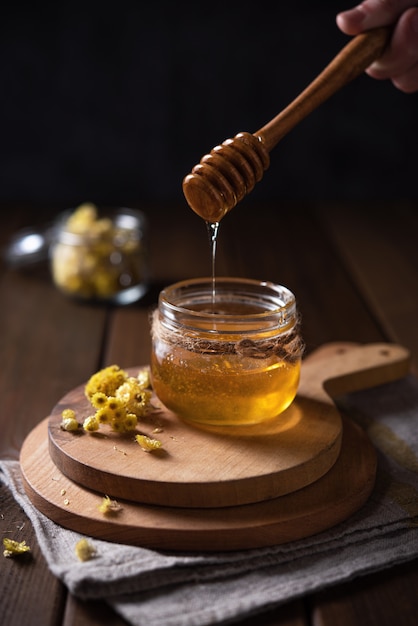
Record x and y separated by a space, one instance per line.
106 380
82 219
69 424
91 424
129 422
84 550
134 396
147 443
69 420
99 400
103 416
109 507
116 406
144 378
14 548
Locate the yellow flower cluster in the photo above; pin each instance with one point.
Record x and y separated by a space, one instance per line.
118 399
94 257
106 380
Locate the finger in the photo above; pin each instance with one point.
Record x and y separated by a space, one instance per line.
402 53
408 82
371 14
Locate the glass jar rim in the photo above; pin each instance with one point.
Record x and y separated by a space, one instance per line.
276 303
131 222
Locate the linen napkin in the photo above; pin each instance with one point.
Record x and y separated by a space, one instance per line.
197 589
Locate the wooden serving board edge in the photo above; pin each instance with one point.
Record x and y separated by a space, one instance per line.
310 510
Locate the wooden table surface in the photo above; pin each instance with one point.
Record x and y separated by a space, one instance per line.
354 271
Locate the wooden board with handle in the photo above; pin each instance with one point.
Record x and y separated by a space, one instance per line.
316 506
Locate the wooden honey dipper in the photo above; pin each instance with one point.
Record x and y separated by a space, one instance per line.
230 171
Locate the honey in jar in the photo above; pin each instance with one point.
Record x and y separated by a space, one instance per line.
226 352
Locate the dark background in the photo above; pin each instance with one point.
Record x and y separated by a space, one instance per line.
116 102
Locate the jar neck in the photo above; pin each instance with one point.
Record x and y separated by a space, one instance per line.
283 344
243 317
234 307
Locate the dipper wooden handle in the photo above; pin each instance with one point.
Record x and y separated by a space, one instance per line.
230 171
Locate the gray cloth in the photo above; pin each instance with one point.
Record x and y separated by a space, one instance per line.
153 587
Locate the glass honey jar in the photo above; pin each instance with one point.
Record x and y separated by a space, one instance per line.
226 352
100 254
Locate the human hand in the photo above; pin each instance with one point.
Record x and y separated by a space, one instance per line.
399 62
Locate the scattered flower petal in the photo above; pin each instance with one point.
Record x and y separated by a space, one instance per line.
147 443
109 506
14 548
84 550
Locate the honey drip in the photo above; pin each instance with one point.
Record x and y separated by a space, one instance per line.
213 230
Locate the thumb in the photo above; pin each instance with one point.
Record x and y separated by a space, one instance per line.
371 14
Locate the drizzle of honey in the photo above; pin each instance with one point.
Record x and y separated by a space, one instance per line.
213 230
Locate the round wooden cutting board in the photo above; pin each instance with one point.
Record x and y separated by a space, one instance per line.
203 467
212 466
218 489
328 501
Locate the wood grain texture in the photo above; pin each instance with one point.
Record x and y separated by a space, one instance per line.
385 272
214 467
386 598
329 500
238 522
24 580
200 467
